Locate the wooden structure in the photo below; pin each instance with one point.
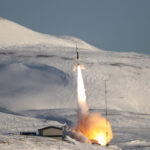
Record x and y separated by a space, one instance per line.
52 131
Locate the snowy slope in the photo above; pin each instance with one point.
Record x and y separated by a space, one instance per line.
14 124
13 34
40 76
36 73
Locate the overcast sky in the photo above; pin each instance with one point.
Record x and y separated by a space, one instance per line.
118 25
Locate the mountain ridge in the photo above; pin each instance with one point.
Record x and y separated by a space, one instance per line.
13 34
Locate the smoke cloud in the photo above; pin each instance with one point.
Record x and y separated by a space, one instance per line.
91 127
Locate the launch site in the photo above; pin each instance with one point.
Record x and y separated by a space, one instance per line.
74 75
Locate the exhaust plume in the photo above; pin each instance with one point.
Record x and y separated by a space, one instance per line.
92 125
82 106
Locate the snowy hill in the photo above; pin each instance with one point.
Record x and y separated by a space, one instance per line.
39 74
13 34
36 74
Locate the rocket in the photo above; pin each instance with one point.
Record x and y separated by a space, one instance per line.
78 61
77 52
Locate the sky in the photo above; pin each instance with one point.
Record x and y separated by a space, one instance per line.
116 25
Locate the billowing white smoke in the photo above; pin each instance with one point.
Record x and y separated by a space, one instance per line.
91 127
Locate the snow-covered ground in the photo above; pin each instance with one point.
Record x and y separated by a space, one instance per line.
38 88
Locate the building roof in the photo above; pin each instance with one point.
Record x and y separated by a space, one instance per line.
59 128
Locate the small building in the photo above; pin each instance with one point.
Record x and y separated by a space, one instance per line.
52 131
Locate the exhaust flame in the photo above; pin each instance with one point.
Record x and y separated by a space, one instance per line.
92 125
83 108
